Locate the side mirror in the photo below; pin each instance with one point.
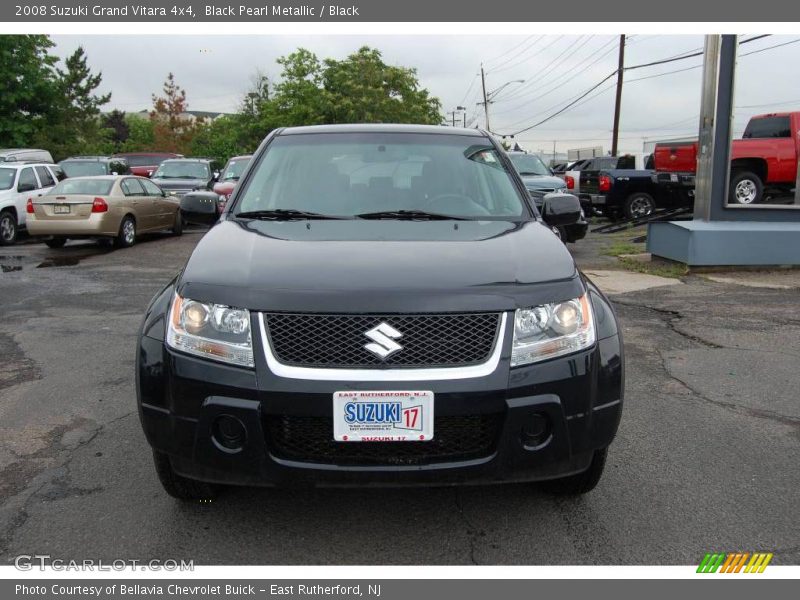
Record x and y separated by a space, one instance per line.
200 208
559 208
26 187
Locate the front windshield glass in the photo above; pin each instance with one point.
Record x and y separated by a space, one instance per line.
176 169
234 169
528 164
7 178
81 168
141 160
350 174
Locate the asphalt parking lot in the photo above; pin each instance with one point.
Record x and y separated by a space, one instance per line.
706 457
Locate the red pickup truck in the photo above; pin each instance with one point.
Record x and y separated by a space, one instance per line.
763 162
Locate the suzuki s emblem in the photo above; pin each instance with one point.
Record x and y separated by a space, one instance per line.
383 337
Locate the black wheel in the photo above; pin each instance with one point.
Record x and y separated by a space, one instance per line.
178 486
639 205
127 233
581 483
177 227
746 188
56 242
8 228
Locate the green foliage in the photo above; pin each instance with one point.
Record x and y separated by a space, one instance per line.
27 87
45 104
359 89
141 135
73 124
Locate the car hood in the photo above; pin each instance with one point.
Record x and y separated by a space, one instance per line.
179 184
538 182
380 266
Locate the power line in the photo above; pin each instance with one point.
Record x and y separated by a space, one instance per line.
511 49
545 48
683 56
502 66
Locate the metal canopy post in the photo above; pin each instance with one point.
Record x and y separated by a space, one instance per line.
716 127
720 233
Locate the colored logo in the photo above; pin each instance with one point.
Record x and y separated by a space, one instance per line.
734 562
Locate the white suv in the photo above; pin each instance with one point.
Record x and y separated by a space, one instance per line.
18 182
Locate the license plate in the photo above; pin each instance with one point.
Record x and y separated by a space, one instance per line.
673 177
383 416
61 209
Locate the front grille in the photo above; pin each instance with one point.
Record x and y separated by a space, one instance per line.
540 193
310 439
338 341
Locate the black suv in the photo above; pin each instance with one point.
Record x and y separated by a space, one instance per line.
83 166
179 176
379 305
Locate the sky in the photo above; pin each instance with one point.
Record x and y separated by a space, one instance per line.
659 102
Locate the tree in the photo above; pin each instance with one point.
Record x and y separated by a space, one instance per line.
173 132
27 86
116 122
73 124
364 89
141 134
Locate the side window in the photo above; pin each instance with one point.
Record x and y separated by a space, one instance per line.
58 172
45 177
151 188
768 127
27 180
131 187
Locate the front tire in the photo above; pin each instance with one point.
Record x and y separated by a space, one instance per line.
127 233
746 188
8 228
639 205
177 228
581 483
178 486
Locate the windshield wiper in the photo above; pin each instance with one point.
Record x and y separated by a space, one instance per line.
410 215
284 213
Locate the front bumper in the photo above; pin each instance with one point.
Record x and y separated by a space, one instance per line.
546 420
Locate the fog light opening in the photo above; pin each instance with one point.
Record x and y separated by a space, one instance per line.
229 433
536 432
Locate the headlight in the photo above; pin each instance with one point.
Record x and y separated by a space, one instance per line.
211 330
551 330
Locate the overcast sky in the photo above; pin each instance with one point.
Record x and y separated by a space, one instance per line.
216 71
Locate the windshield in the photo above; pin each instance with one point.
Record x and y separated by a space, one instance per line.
81 168
234 169
352 174
139 160
7 178
176 169
528 164
88 186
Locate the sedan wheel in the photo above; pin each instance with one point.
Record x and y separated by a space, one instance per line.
127 233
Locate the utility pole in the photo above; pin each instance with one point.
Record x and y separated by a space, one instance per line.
618 104
554 152
485 99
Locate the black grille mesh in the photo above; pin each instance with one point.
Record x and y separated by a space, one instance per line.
442 340
310 439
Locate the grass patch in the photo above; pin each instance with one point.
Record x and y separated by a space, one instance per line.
620 247
673 270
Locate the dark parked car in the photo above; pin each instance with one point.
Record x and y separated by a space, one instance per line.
229 177
179 176
83 166
379 305
144 164
540 181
